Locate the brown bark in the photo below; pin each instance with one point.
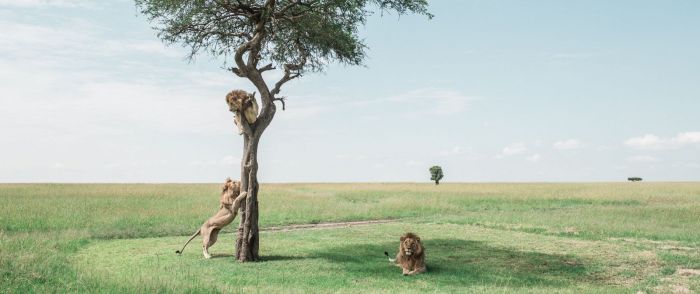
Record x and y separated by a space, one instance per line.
248 239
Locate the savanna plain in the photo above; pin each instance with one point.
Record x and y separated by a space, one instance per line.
485 238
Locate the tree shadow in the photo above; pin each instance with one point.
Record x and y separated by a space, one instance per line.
464 262
222 255
266 258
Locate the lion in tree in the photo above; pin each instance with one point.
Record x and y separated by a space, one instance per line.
242 103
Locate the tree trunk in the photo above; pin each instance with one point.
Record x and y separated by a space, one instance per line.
248 238
247 241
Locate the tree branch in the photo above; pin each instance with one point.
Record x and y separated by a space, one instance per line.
283 12
256 41
288 76
281 99
237 72
253 44
242 70
288 6
266 68
292 71
239 8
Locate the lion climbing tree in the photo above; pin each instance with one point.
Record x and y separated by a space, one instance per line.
291 36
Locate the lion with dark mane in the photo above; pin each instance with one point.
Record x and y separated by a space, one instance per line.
229 204
243 105
411 256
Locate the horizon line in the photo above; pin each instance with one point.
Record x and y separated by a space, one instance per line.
336 183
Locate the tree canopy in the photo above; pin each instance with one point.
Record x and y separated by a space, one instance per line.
298 35
436 174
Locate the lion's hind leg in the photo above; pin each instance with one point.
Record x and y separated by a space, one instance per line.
206 241
213 235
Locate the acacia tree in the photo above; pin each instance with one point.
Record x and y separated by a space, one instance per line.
294 36
436 174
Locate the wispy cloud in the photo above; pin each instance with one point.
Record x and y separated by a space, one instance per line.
456 150
693 165
570 56
301 111
414 163
228 161
567 144
653 142
642 159
75 44
353 157
533 158
436 101
45 3
514 149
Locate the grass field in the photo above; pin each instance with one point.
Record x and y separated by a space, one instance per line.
493 238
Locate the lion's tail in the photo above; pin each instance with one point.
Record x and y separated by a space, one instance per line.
188 241
392 260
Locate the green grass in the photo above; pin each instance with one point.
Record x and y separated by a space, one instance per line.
538 238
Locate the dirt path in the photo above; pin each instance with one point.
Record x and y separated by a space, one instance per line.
325 225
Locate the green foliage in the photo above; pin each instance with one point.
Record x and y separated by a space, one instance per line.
436 174
308 32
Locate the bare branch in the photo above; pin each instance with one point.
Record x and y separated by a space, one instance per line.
266 68
239 35
237 72
292 71
254 42
288 76
281 99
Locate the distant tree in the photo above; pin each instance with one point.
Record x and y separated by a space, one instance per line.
294 36
436 174
634 179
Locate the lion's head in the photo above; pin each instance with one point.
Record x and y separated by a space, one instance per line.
229 191
410 245
239 100
235 100
242 102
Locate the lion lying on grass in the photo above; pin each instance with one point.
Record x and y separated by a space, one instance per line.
231 198
411 256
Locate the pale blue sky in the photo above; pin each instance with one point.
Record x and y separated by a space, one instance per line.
490 90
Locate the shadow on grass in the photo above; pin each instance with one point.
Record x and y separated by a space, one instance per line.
264 258
464 262
280 258
222 255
